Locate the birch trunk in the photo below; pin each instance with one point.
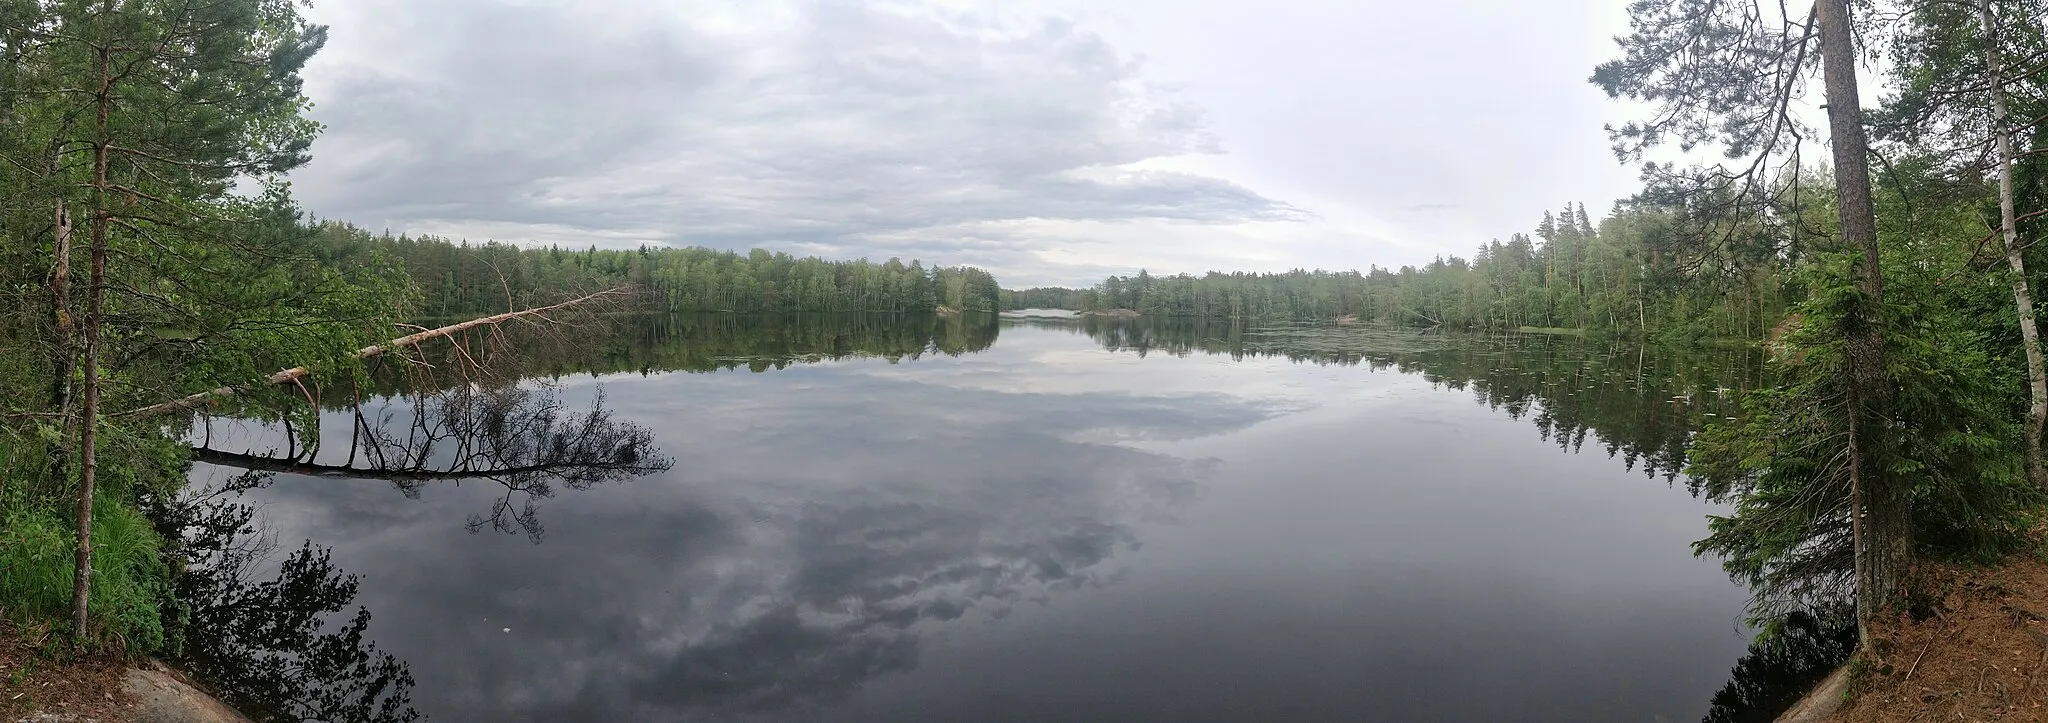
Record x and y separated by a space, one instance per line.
2022 297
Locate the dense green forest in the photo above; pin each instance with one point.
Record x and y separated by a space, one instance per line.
458 278
1644 270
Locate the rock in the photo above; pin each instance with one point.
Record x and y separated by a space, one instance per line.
161 697
1822 701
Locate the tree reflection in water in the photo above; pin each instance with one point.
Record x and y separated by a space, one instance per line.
266 646
273 647
1638 403
1642 403
519 437
1779 669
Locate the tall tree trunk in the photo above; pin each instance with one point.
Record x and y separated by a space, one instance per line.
1880 515
95 311
62 353
1642 317
2022 297
60 308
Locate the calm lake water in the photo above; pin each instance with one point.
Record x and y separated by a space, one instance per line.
1029 520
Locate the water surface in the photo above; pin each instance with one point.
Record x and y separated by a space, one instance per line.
1078 521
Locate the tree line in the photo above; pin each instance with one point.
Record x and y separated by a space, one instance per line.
1638 273
456 278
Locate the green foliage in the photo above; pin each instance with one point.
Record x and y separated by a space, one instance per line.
1659 267
211 277
129 572
1782 466
462 279
1044 297
37 539
1716 71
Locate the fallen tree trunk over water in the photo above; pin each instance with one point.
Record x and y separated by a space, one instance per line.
262 463
201 399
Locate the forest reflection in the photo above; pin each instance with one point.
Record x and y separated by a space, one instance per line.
1640 403
485 409
701 343
1780 668
275 639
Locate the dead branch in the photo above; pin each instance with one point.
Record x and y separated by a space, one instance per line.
293 374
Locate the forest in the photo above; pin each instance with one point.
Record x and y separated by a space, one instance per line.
457 278
155 262
1643 271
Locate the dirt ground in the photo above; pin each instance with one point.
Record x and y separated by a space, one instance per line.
38 677
1980 653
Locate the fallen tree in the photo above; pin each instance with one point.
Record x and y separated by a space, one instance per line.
195 401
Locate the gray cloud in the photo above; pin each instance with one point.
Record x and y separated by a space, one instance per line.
838 125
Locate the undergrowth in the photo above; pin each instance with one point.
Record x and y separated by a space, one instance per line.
129 574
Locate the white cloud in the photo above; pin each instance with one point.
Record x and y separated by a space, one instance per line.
1052 142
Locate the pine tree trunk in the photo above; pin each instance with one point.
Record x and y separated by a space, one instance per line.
88 423
95 311
2022 297
1880 513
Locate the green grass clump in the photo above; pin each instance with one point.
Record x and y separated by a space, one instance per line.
129 573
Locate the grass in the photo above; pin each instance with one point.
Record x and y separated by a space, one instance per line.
129 572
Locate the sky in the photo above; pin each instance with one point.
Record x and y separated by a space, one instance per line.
1049 141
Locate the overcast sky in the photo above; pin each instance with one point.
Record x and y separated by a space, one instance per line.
1050 141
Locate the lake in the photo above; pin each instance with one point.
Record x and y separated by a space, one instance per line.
1028 520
